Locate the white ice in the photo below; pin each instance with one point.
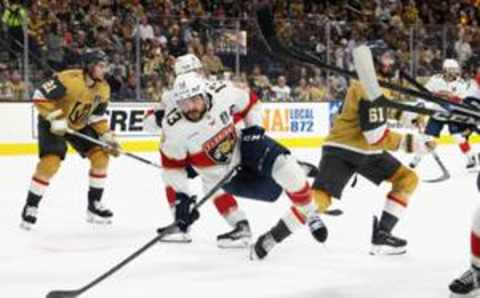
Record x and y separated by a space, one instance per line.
64 252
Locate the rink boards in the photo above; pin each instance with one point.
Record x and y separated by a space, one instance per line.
296 125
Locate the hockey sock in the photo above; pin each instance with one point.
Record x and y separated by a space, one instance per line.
36 191
302 199
465 147
462 143
171 197
290 222
475 239
95 192
392 212
227 206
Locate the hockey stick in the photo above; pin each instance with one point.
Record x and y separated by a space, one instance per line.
164 231
445 173
333 212
108 146
460 113
363 61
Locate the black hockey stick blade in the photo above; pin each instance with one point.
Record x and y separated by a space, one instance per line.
439 179
333 212
63 294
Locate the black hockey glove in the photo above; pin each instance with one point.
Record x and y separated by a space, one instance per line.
185 215
251 147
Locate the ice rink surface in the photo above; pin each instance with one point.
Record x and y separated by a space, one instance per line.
64 252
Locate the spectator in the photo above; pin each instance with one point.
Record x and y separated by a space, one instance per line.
302 91
128 90
6 91
145 29
463 49
211 62
318 90
281 92
14 17
260 83
155 89
18 87
382 12
177 47
55 48
116 80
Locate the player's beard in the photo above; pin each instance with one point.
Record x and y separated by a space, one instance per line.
194 116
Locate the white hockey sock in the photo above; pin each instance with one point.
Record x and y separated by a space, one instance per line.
475 239
38 187
395 206
293 219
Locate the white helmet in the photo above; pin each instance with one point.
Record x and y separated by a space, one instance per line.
187 86
187 63
450 64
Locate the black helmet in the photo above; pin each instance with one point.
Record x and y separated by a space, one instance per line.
93 57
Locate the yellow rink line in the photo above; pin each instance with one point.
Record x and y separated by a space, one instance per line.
10 149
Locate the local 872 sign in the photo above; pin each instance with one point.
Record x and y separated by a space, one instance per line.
126 119
296 119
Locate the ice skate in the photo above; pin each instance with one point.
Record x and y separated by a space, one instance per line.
466 284
98 214
384 243
262 246
317 227
29 217
177 236
239 237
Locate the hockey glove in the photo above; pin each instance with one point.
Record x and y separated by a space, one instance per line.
58 124
113 145
258 151
185 214
251 147
417 144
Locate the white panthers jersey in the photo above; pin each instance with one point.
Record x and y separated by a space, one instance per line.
437 84
210 145
473 90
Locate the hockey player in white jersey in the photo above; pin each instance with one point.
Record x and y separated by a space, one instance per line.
225 204
452 87
469 281
203 129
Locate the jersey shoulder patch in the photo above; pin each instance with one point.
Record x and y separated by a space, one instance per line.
53 88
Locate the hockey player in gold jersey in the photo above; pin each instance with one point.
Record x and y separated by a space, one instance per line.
74 99
359 142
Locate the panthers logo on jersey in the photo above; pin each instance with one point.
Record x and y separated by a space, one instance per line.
220 148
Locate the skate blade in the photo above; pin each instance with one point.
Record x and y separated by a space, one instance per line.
94 219
177 238
26 226
180 241
238 244
383 250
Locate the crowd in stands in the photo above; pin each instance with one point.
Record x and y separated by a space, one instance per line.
143 37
